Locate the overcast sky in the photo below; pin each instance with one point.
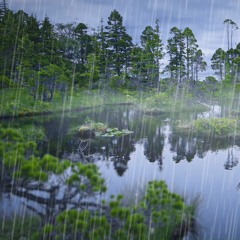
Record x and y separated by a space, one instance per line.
204 17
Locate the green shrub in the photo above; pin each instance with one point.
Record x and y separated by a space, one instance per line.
19 227
158 100
5 82
218 126
160 215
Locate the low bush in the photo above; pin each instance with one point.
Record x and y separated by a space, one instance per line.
218 126
160 215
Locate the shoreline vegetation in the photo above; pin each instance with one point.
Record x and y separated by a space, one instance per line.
150 103
215 126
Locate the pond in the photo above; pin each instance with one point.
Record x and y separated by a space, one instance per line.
191 165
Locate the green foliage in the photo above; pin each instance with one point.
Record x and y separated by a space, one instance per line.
114 132
18 156
88 177
176 50
80 225
219 126
91 75
119 44
96 126
148 58
218 62
167 210
160 215
19 228
101 130
32 133
13 148
5 82
158 100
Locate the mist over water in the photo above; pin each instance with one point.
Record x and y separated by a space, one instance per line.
139 90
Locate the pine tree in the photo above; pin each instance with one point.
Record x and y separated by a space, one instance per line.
176 51
84 42
152 53
119 44
191 49
231 26
198 64
48 45
219 63
101 49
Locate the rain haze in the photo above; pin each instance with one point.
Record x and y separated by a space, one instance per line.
204 17
114 129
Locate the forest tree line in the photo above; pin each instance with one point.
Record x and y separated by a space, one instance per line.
44 57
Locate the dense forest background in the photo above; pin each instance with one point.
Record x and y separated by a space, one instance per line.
43 57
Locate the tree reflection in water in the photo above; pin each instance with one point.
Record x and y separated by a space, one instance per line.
231 160
188 145
117 150
185 144
153 147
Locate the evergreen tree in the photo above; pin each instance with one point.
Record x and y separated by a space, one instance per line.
229 65
218 63
119 44
231 26
12 30
29 44
8 28
137 67
84 42
198 64
101 49
48 45
33 29
191 50
152 54
67 44
176 52
236 63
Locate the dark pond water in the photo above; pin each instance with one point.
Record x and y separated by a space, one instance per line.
191 165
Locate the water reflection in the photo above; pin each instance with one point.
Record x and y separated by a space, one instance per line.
117 150
231 160
187 145
153 147
149 129
188 162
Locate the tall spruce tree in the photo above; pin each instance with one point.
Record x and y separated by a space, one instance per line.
236 64
199 64
101 49
67 44
48 45
176 52
218 61
119 43
84 42
152 54
191 50
231 27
